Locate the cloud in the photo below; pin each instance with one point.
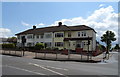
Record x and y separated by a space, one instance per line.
4 32
25 24
101 20
101 5
30 25
41 24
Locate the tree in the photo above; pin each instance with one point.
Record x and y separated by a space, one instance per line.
102 47
12 40
117 46
108 37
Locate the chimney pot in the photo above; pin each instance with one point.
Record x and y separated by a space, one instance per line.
60 23
34 27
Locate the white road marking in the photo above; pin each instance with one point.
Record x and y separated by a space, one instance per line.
50 67
57 68
46 69
25 70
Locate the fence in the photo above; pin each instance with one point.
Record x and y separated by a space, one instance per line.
52 54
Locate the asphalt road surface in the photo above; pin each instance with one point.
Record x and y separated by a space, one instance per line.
25 66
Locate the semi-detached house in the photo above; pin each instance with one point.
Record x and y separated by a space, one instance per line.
61 36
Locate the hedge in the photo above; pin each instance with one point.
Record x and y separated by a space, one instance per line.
39 46
10 45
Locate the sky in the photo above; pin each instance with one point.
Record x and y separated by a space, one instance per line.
20 16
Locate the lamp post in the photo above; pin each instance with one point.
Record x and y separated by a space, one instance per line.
23 43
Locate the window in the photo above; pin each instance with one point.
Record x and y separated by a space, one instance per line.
37 42
37 36
29 44
59 44
48 44
78 34
18 37
59 35
78 45
48 35
69 34
29 36
84 33
84 43
42 36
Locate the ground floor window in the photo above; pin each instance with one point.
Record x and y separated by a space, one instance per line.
30 44
58 44
48 44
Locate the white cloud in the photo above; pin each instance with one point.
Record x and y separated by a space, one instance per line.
25 24
4 32
101 20
101 5
30 25
41 24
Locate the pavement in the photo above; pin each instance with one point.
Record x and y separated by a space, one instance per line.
53 56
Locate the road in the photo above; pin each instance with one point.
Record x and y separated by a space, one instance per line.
25 66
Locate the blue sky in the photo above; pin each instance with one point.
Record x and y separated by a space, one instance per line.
19 16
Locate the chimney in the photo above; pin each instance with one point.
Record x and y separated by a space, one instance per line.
59 23
34 27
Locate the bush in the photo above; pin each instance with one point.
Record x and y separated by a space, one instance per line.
39 46
55 49
48 48
7 46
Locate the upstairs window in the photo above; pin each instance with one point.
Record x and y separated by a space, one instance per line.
69 34
37 36
42 36
78 34
84 33
59 35
18 37
29 37
48 35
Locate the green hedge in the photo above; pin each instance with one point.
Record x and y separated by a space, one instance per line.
39 46
10 45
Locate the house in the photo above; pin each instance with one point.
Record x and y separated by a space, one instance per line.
61 36
3 41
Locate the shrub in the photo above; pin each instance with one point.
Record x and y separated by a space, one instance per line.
39 46
10 45
55 49
48 48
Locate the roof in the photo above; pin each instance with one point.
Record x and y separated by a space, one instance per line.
56 29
